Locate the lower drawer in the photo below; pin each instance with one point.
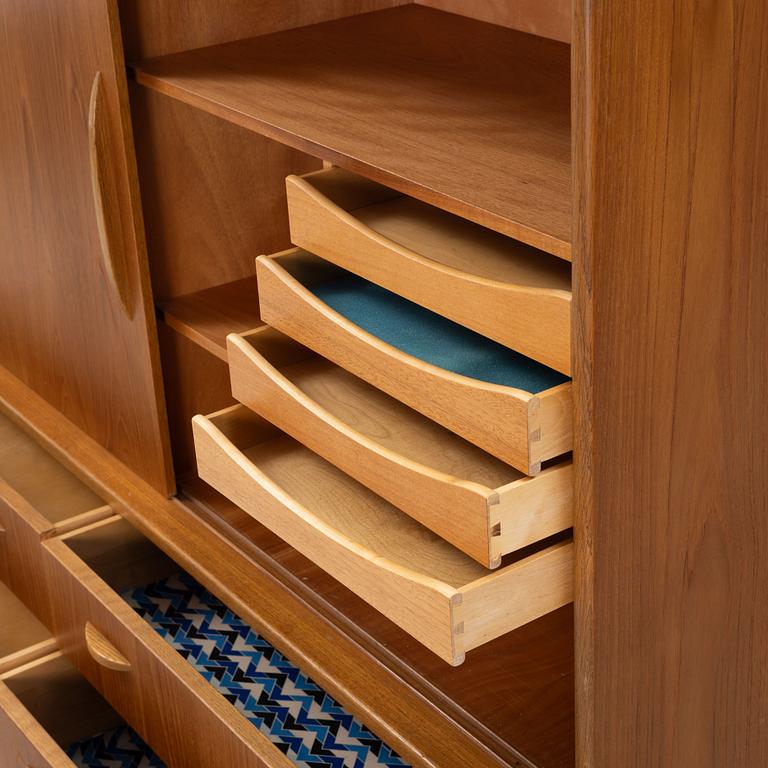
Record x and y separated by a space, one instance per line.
435 592
46 708
188 723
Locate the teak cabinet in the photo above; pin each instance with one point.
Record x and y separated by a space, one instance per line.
430 337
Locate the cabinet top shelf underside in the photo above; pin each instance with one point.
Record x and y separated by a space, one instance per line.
465 115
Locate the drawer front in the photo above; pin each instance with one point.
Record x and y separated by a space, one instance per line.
485 281
185 720
23 741
20 551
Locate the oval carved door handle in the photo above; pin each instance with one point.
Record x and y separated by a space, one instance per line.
103 652
105 198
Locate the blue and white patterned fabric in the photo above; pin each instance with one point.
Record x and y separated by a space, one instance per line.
298 716
121 748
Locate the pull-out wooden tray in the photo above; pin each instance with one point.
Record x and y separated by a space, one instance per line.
476 502
523 421
432 590
507 291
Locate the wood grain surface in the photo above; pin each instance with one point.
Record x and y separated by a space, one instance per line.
393 95
671 341
213 194
158 27
62 329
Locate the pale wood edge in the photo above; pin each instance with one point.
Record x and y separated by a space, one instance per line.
516 595
532 509
533 320
551 424
88 518
224 467
40 661
28 655
299 185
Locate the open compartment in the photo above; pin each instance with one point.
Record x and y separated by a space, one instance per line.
48 711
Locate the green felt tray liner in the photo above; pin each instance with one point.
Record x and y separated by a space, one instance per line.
432 338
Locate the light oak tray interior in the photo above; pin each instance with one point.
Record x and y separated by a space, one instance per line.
498 287
53 491
120 555
22 637
61 700
377 547
481 505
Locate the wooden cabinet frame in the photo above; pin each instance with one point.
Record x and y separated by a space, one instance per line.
671 342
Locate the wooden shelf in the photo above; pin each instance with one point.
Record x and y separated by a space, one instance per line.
207 316
514 694
462 114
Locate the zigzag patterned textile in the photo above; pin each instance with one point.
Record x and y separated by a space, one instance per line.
298 716
121 748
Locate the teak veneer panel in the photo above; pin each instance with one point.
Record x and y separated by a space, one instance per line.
671 345
548 18
468 116
476 502
435 592
502 289
158 27
63 329
514 425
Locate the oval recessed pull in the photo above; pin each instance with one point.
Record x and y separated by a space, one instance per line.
105 199
103 652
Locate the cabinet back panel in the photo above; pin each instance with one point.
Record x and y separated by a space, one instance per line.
156 27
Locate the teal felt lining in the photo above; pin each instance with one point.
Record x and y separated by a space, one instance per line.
432 338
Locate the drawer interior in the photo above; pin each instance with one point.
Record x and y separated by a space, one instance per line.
59 496
120 555
378 416
414 330
61 700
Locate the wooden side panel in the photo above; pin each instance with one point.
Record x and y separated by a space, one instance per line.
63 328
214 194
671 341
23 741
156 27
546 18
